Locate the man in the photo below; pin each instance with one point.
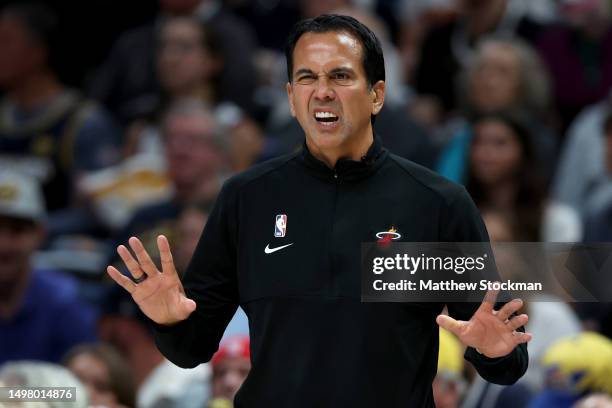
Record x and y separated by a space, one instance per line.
48 130
41 317
127 81
197 160
230 367
313 343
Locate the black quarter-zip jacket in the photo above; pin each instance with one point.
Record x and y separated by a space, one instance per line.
313 342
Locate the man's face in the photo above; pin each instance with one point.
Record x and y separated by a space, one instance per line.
496 153
94 374
228 376
192 154
495 82
329 93
18 241
182 61
19 54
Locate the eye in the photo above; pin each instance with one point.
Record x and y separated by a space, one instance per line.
306 79
341 76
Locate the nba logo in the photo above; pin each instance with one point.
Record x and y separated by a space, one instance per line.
280 226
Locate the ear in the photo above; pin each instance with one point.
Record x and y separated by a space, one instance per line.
290 97
378 97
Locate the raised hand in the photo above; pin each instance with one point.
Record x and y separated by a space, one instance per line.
489 331
159 295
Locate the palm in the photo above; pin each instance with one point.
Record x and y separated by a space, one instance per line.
160 296
490 331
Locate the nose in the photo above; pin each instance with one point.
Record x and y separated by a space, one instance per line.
324 91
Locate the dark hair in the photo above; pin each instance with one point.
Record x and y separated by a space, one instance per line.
41 22
529 201
373 59
210 41
120 374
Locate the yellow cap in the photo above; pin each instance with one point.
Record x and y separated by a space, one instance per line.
585 360
450 356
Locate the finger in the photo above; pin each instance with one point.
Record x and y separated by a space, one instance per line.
450 324
167 262
520 337
129 261
518 321
123 281
489 300
145 261
506 311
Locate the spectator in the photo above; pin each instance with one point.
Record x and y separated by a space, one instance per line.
578 53
46 129
598 224
127 81
159 382
449 383
575 367
41 317
448 48
35 374
190 64
550 318
196 158
230 367
503 176
108 379
189 60
504 75
582 180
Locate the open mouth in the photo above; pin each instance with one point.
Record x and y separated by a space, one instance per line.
325 117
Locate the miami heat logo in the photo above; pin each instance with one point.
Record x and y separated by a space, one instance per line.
385 237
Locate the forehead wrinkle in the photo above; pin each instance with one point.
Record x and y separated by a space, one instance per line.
325 52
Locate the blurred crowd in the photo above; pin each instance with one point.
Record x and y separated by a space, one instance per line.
511 98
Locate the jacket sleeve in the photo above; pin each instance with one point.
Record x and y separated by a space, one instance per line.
462 223
210 280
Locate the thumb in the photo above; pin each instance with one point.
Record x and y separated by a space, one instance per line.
450 324
188 305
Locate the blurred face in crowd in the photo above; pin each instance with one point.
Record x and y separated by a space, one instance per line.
494 83
183 63
18 241
20 54
329 93
228 376
496 152
95 375
192 153
447 392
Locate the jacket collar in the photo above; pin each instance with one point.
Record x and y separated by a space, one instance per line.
346 169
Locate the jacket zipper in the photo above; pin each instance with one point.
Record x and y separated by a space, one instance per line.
332 276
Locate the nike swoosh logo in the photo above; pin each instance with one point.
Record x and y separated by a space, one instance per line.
269 250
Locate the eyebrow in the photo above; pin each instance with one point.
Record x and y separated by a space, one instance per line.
345 70
303 71
307 71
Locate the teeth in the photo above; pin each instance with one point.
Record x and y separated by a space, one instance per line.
324 115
